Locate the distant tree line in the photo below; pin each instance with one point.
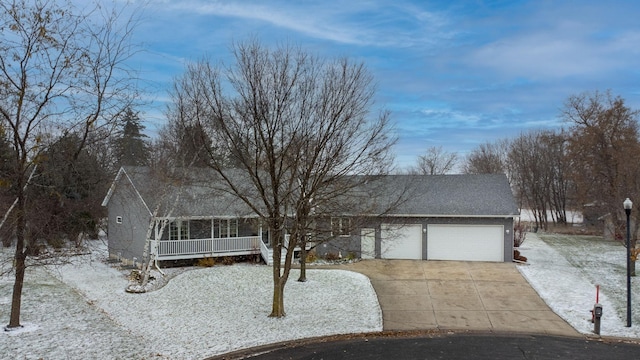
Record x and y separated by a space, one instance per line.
591 164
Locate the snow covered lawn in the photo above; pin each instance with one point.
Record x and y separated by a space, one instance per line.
565 270
82 311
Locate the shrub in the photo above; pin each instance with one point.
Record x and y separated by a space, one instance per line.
228 260
135 275
206 262
311 257
517 256
331 256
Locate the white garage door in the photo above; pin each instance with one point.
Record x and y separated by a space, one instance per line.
401 242
465 242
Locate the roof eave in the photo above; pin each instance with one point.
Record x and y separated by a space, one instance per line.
112 188
452 215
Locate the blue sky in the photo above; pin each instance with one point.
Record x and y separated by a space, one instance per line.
453 73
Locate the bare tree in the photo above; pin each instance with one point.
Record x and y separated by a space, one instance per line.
488 158
435 161
603 150
61 72
182 143
533 166
293 125
561 188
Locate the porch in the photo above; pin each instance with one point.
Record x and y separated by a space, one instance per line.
178 239
204 248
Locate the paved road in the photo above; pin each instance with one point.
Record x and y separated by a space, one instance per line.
477 346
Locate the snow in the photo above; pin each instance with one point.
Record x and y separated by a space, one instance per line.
573 217
82 311
565 275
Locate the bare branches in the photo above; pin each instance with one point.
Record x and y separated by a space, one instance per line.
62 76
488 158
435 161
285 128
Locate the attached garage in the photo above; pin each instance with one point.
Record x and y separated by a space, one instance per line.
401 242
467 217
465 242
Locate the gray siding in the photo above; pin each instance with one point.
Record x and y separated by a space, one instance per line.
127 239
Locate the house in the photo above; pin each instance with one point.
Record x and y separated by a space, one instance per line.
440 217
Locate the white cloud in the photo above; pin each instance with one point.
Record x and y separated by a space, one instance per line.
359 23
558 43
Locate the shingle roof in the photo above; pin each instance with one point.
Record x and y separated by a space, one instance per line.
195 193
484 195
452 195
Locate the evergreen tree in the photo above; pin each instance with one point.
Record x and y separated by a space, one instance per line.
68 189
131 146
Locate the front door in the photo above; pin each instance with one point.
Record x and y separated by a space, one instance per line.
368 244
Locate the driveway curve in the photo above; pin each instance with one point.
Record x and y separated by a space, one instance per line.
484 296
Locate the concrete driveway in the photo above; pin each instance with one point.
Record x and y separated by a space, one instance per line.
418 295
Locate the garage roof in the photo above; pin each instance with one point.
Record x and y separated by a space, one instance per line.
477 195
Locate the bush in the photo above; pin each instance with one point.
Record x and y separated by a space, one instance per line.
517 256
206 262
228 260
311 257
331 256
135 276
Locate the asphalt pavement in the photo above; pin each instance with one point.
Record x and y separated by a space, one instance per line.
447 346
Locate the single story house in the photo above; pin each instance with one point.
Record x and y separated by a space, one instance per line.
441 217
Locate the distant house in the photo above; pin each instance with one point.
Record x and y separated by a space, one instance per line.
442 217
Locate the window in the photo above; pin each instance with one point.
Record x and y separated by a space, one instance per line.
340 226
224 228
179 230
118 219
233 227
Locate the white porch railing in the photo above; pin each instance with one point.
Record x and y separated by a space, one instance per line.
265 251
195 248
201 248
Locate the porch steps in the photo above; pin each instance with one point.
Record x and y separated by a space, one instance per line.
269 259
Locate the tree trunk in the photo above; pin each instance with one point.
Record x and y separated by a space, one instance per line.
279 277
16 299
277 308
20 257
303 261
